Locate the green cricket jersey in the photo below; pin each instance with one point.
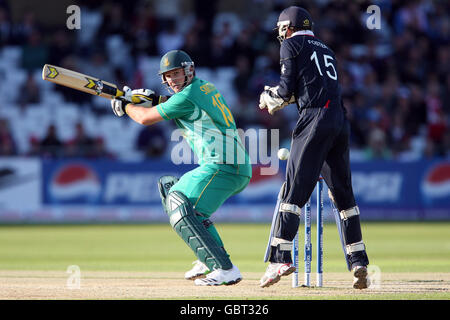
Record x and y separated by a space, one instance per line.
208 126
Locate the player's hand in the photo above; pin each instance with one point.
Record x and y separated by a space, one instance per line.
271 100
118 106
127 93
141 97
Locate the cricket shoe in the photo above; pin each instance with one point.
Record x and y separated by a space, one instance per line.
274 272
200 270
220 277
360 278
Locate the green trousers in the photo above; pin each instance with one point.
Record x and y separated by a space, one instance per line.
207 187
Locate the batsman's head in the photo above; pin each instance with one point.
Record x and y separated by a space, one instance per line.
293 18
176 69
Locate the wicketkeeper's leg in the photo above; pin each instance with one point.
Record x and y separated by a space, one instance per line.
336 173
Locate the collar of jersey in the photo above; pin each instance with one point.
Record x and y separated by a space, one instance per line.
303 33
193 80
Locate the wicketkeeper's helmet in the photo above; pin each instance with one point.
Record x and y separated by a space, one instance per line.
293 17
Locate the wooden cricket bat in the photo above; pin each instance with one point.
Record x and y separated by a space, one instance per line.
82 82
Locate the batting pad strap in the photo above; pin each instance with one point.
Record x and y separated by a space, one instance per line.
291 208
345 214
164 185
357 246
284 245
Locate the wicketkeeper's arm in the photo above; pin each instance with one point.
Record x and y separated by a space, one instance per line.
289 72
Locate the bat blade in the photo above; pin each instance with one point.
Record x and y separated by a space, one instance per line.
81 82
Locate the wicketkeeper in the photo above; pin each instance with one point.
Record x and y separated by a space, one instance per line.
319 147
200 111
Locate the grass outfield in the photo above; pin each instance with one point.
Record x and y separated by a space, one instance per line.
404 248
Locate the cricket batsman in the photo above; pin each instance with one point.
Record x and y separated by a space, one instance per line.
200 111
319 146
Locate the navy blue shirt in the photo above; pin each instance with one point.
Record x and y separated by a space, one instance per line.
308 71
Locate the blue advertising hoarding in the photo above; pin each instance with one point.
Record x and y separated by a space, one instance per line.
383 190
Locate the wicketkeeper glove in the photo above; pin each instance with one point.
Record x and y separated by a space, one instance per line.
271 100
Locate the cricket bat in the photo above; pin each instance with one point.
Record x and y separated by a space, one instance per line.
82 82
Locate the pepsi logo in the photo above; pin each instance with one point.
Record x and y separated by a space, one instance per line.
436 183
75 181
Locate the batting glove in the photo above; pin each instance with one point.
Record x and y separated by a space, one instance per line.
118 106
142 97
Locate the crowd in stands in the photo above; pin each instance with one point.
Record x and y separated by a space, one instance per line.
395 80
